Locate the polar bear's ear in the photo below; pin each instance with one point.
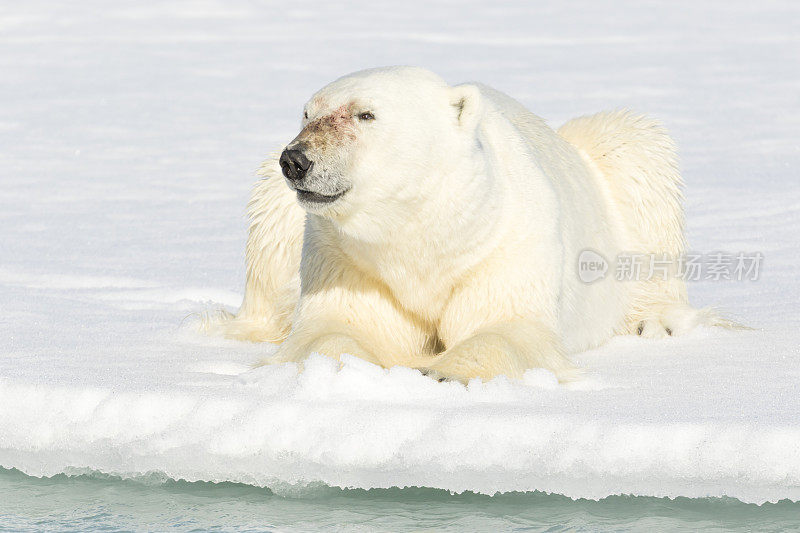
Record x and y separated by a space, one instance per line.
466 99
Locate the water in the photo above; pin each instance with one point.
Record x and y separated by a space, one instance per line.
98 502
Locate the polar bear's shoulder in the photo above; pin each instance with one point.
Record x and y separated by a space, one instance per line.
530 125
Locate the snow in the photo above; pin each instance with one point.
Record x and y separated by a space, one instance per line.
130 134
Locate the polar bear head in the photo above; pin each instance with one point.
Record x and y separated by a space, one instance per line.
378 142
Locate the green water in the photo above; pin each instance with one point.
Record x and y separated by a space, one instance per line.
96 502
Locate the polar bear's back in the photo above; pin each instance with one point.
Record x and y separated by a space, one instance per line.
582 218
575 184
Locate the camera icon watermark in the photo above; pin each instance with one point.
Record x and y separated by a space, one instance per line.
716 266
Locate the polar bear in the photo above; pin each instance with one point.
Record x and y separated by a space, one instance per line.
439 227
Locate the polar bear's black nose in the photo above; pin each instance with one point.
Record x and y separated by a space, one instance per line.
294 164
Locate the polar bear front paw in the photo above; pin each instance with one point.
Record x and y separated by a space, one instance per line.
434 374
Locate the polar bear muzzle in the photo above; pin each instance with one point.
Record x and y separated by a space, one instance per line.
312 190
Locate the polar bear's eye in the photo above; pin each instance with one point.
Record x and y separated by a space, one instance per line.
366 115
305 115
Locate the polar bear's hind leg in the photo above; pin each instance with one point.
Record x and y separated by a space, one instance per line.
637 165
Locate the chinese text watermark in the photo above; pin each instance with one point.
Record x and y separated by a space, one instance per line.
691 266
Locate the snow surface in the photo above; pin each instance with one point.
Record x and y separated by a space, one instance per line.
129 135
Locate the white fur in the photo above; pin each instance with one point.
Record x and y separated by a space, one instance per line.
455 249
